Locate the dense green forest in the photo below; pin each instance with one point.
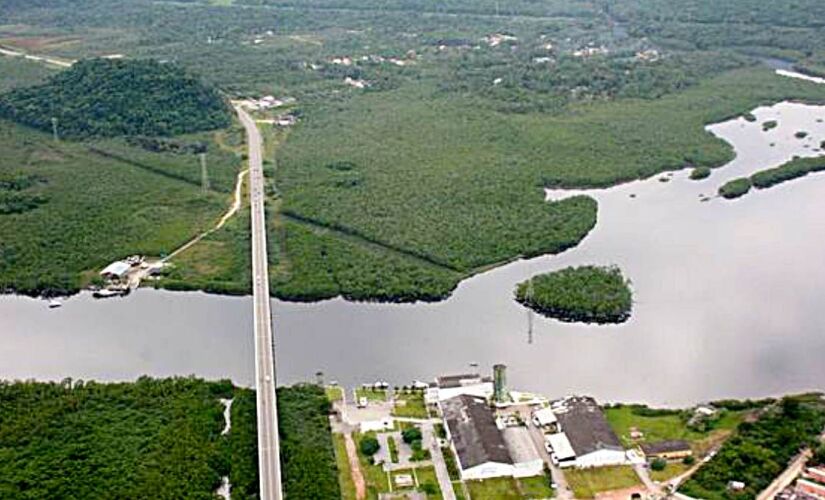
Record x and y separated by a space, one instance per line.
759 451
103 97
76 439
587 294
307 457
471 109
155 438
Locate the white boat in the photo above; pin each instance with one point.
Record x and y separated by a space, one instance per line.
54 304
105 293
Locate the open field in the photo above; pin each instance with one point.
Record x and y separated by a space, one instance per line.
95 210
585 483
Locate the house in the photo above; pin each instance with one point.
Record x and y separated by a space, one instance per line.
590 436
546 420
450 386
116 270
816 474
675 449
475 439
810 488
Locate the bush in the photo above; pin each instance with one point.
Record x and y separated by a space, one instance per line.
369 445
689 460
770 124
819 456
735 188
411 435
658 464
700 173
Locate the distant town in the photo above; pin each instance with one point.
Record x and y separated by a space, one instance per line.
471 436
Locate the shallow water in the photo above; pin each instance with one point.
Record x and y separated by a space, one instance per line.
728 297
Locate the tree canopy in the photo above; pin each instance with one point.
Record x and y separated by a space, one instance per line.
106 98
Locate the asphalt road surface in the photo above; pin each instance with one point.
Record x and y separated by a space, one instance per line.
269 465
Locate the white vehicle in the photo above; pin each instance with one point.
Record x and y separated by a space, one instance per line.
548 448
362 402
554 459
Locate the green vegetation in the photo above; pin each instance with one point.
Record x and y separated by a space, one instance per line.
760 451
769 125
18 72
393 448
794 169
377 481
671 470
801 134
371 394
585 483
658 464
91 209
735 188
79 439
700 173
410 405
102 97
369 445
670 424
536 487
334 393
428 482
445 155
345 482
587 293
501 488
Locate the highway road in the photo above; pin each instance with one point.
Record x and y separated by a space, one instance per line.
269 464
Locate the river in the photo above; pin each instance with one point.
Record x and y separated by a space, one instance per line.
728 303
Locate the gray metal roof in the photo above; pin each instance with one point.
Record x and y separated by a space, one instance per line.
585 425
672 446
473 430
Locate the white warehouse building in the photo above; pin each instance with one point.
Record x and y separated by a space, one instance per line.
590 437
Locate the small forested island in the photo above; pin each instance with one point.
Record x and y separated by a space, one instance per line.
700 173
109 98
735 188
589 294
794 169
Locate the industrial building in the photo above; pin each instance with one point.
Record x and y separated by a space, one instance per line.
450 386
582 421
675 449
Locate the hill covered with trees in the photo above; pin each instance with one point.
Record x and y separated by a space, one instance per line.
107 98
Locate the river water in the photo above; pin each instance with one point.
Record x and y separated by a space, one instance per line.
729 299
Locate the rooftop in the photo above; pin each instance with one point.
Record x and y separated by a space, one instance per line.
672 446
585 425
451 381
561 446
473 429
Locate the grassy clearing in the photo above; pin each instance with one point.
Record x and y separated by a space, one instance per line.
334 393
670 471
376 479
97 210
18 72
371 394
536 487
501 488
428 482
587 482
661 425
410 405
345 481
